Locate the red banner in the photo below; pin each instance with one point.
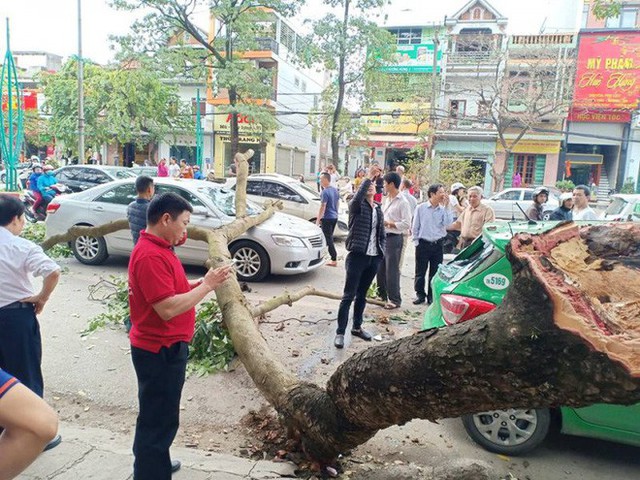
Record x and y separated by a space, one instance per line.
608 72
599 116
30 99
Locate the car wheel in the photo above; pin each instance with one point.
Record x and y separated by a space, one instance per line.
508 432
252 261
90 250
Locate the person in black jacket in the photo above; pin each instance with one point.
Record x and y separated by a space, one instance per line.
365 244
563 212
137 210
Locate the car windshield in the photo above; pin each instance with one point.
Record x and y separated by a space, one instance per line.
225 200
308 189
121 173
616 207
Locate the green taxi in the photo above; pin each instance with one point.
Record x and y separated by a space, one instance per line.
475 282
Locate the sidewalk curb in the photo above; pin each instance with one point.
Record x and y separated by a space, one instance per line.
98 454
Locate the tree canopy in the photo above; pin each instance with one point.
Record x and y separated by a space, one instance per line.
128 105
352 45
174 36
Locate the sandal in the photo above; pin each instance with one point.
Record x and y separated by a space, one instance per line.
391 306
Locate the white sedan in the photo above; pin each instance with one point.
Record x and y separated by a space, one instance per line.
282 245
299 199
505 203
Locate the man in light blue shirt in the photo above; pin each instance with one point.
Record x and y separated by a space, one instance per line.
429 229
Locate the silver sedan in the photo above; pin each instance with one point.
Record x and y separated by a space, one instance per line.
282 245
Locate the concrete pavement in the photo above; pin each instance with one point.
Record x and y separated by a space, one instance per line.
98 454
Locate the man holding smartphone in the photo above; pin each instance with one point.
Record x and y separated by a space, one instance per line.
162 301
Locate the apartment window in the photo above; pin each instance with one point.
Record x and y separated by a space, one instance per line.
287 37
627 19
407 36
457 108
303 86
526 165
296 81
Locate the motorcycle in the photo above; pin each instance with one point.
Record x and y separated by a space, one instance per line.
29 200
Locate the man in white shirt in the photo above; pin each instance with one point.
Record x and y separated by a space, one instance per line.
581 209
20 341
397 221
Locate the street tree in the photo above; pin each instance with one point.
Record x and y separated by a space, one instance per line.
566 334
175 36
606 8
351 45
126 104
528 89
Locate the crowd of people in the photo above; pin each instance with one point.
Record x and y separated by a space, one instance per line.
384 216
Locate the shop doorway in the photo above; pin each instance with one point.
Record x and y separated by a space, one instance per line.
255 163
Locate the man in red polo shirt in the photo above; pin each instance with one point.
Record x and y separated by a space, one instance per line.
162 301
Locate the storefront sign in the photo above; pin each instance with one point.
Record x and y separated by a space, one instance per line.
244 139
608 71
599 116
413 59
246 124
397 117
533 146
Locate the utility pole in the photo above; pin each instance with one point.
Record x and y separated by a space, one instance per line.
435 164
81 158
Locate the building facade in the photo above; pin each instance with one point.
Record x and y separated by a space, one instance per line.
291 148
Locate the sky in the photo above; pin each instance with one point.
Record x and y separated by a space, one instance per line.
51 25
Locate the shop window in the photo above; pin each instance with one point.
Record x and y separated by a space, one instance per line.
407 36
526 165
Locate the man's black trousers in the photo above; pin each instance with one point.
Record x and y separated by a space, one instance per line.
328 226
21 346
428 255
160 380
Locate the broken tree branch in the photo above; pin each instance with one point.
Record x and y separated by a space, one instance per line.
288 298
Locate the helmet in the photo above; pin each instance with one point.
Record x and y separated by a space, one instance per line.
457 186
35 158
47 168
565 196
34 166
540 190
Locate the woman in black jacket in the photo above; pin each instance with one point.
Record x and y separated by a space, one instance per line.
365 244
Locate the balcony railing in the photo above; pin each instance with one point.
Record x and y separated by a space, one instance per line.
473 58
552 39
267 44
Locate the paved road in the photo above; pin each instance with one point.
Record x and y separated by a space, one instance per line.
94 373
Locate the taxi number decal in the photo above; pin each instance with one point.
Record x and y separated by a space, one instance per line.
496 281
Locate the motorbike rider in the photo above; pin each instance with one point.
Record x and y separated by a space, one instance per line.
563 212
540 197
45 182
32 184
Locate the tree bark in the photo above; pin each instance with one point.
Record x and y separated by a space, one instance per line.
550 343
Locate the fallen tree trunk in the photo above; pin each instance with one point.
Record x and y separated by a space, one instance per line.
568 333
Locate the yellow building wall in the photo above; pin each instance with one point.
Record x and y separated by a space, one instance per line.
219 148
